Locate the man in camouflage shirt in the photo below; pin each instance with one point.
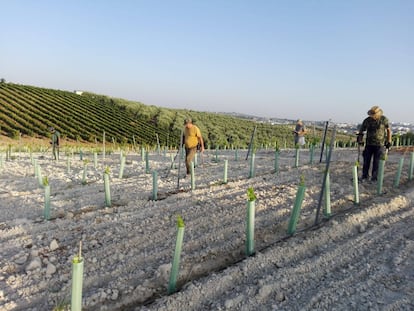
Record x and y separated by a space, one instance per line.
55 142
378 135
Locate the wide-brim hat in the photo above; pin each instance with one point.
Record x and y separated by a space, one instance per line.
187 120
375 112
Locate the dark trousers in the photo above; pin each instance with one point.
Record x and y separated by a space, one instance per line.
375 153
189 156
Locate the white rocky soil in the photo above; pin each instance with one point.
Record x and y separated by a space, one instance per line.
359 258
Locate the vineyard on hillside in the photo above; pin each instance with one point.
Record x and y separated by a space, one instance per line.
30 111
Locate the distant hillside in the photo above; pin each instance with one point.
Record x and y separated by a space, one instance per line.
30 111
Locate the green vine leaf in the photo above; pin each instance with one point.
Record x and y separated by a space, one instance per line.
250 194
277 148
302 180
180 221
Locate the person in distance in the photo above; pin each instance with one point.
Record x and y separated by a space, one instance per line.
192 138
54 141
299 133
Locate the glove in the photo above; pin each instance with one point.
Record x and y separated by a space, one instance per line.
360 139
387 145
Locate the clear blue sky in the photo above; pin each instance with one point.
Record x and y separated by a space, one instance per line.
308 59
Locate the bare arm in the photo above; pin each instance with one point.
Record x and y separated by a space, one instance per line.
201 141
389 135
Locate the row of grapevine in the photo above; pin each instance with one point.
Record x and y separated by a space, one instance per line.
31 110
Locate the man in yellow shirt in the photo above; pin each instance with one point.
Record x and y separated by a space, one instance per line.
192 138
